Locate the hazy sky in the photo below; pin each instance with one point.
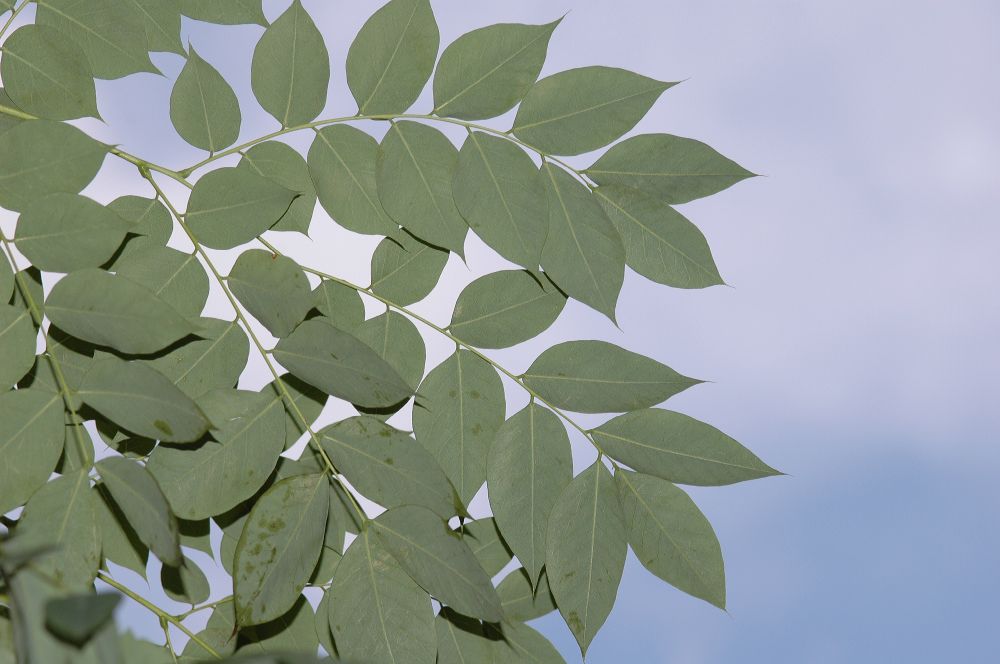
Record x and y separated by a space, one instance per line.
855 350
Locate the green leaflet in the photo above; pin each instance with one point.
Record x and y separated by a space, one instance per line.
660 243
486 544
282 164
503 309
585 556
48 75
530 463
225 12
486 72
139 498
439 562
78 617
521 601
279 548
274 289
502 196
341 305
7 283
43 157
162 20
406 269
342 509
111 310
213 361
460 406
203 107
392 57
598 377
323 625
65 232
7 121
185 583
461 639
342 167
74 357
520 643
150 225
376 612
31 439
309 403
671 168
196 535
397 341
341 365
679 448
218 634
232 523
414 171
387 466
119 542
232 206
17 345
583 109
175 277
331 551
293 632
671 537
29 279
291 68
112 33
583 252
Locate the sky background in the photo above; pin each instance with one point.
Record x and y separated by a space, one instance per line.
854 351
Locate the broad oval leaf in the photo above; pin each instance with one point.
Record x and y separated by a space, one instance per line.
174 276
162 20
17 344
225 12
185 583
343 306
599 377
291 68
31 439
203 107
281 163
64 232
274 289
405 269
503 309
393 56
522 599
397 341
213 361
232 206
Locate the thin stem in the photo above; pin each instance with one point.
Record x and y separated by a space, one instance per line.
208 605
143 164
10 19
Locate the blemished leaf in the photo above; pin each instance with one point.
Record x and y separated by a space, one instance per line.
523 600
397 341
671 537
486 544
671 168
583 253
293 632
65 232
413 172
232 206
392 57
47 75
78 617
120 543
583 109
406 269
225 12
520 643
461 639
162 20
213 361
386 465
203 107
31 439
274 289
460 407
529 465
486 72
44 157
376 612
341 365
185 583
17 345
503 309
599 377
585 556
342 166
175 277
291 68
282 164
660 244
439 561
142 502
343 306
279 548
500 193
678 448
111 33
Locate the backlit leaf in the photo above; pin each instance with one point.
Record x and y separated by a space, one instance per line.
203 107
31 439
503 309
174 276
64 232
17 345
282 164
225 12
232 206
405 269
272 288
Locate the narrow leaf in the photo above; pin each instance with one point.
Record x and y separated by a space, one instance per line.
232 206
203 107
274 289
405 269
506 308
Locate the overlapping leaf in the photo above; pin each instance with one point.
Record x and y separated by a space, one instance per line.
31 439
272 288
232 206
405 269
505 308
282 164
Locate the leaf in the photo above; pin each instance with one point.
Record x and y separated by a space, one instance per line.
386 465
7 121
461 639
598 377
214 361
120 543
583 253
331 551
484 540
74 358
17 345
148 220
31 439
309 403
392 57
185 583
583 109
47 75
274 289
111 33
196 535
406 269
376 612
397 341
679 448
461 406
78 617
279 548
7 283
342 167
293 632
283 165
660 244
218 634
203 107
671 537
174 276
672 168
291 68
486 72
414 172
502 197
586 551
323 625
341 305
142 502
232 206
503 309
530 463
520 643
521 601
439 561
43 157
225 12
162 20
65 232
341 365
